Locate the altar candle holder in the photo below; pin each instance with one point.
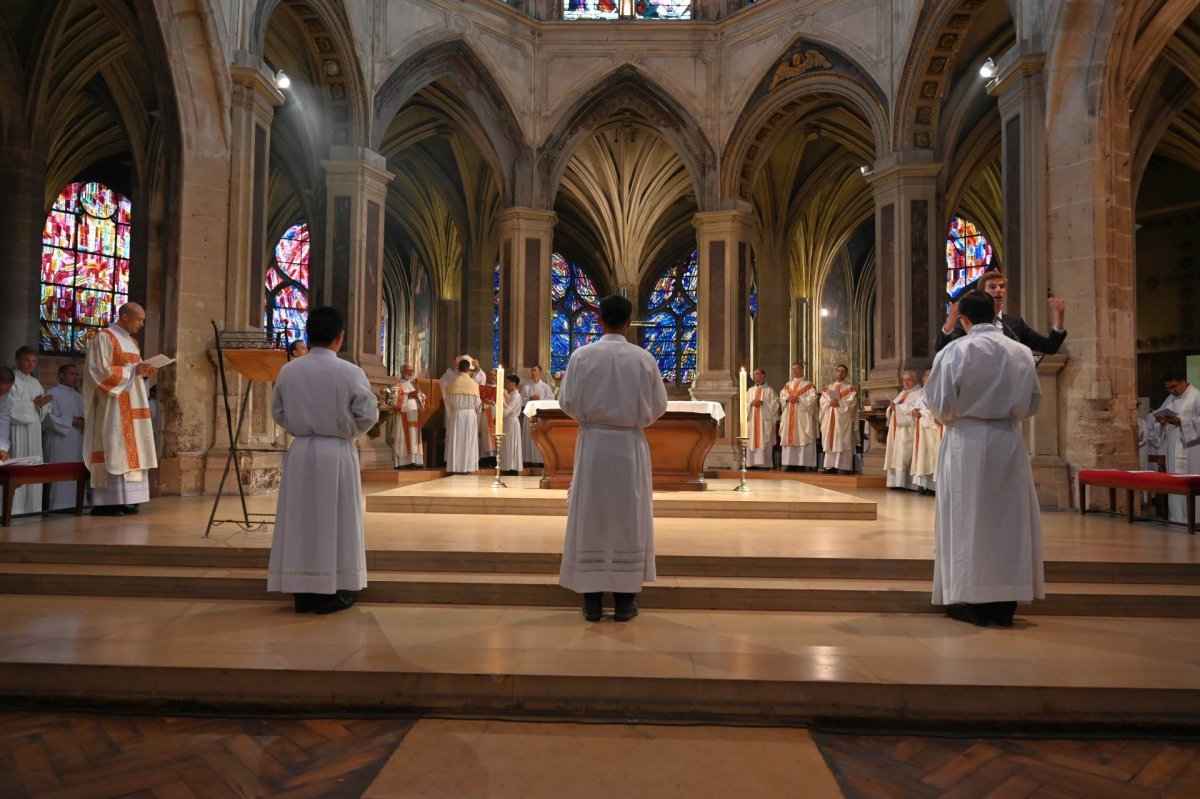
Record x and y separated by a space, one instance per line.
499 440
743 487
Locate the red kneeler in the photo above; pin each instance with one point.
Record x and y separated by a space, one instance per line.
13 477
1157 482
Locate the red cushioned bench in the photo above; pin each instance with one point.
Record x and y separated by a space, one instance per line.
13 477
1157 482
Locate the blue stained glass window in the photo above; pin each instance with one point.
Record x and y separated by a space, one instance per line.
590 9
670 331
662 9
968 255
576 318
496 316
286 314
753 302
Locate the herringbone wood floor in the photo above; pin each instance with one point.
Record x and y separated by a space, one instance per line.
93 756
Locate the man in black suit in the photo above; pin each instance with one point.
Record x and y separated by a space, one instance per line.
993 283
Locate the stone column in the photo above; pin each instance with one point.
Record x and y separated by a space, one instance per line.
356 190
23 215
774 327
254 100
1021 92
526 244
722 292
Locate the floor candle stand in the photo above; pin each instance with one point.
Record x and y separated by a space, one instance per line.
499 439
743 486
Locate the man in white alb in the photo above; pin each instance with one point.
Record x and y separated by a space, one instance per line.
839 423
62 432
317 553
490 397
535 389
1174 430
30 405
762 409
461 402
118 437
410 401
988 530
7 378
510 449
614 390
927 443
798 422
902 428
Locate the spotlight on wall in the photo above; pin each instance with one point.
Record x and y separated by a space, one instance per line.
988 70
282 81
866 171
824 312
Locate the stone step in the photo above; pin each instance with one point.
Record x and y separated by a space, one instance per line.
218 556
542 590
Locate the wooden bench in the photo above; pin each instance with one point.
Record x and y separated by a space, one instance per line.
1157 482
13 477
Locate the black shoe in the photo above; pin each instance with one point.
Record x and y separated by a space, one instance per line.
972 614
130 510
626 607
334 603
593 606
1001 613
307 603
107 510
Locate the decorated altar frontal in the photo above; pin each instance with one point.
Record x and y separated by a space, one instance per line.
679 443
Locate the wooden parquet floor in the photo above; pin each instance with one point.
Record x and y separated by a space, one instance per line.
909 767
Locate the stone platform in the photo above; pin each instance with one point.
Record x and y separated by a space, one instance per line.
768 499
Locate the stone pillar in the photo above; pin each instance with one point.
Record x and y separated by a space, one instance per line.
254 100
23 215
526 244
1050 472
722 292
356 189
774 324
1021 92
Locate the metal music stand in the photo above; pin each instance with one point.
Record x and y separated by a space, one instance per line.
258 359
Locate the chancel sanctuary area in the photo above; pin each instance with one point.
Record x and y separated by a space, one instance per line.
591 398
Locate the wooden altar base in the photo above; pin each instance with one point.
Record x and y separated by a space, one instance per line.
778 499
838 482
405 477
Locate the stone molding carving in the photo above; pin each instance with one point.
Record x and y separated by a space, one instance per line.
798 64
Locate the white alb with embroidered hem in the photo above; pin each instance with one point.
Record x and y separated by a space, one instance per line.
118 434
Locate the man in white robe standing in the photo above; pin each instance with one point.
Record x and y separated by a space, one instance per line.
798 422
62 432
535 389
510 448
614 390
839 423
462 423
1175 433
490 397
7 378
406 444
902 429
762 411
118 439
318 554
927 443
988 530
30 404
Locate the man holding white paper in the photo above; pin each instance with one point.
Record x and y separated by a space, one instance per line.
118 440
1174 429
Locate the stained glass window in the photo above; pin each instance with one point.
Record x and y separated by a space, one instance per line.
85 266
286 313
662 9
968 255
753 302
496 316
670 331
590 9
576 318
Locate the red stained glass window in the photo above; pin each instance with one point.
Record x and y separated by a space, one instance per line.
286 312
85 266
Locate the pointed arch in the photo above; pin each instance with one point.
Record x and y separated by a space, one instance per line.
628 89
494 127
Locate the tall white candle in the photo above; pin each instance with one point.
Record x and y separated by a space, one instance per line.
501 397
742 401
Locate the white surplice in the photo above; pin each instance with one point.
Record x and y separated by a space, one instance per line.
406 443
798 423
760 425
902 437
1180 443
927 443
325 403
25 432
614 390
118 439
510 448
839 426
462 426
988 529
487 422
6 422
531 391
62 441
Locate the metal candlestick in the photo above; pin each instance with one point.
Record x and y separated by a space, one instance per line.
498 438
744 487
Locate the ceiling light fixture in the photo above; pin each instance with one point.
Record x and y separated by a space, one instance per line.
988 70
282 81
824 312
866 171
